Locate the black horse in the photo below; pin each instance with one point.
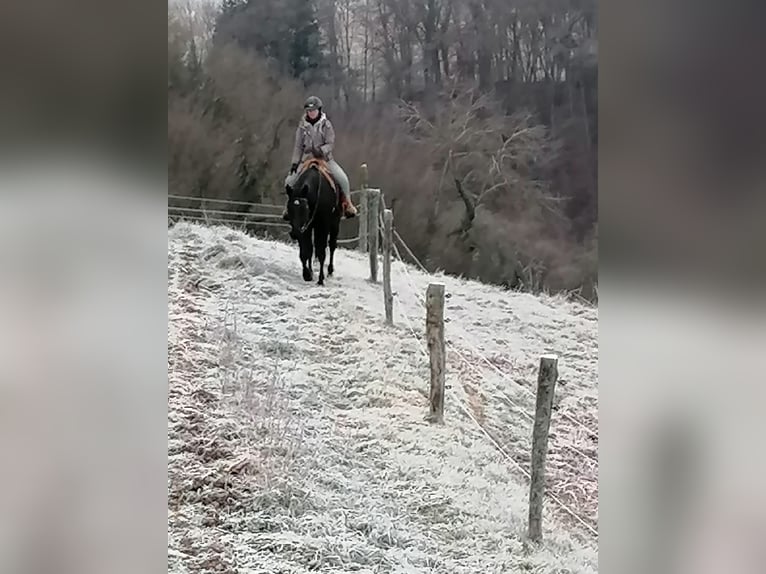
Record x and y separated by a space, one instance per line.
314 207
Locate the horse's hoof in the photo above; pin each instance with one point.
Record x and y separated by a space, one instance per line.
320 282
307 275
330 270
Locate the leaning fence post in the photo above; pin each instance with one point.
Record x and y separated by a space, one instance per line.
388 235
546 383
435 338
363 210
373 229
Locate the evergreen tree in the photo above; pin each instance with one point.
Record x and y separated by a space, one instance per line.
284 31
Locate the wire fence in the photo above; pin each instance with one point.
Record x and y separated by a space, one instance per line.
415 295
246 214
506 377
231 222
475 349
494 367
206 200
251 216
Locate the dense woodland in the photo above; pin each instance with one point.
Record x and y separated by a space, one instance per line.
477 119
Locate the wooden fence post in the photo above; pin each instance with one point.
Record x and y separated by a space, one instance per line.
381 210
363 210
546 384
435 338
388 236
373 229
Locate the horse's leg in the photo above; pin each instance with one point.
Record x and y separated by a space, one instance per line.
334 230
310 255
306 247
320 239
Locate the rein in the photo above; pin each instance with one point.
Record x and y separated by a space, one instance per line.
313 215
311 219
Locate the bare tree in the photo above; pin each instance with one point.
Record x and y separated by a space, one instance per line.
490 158
495 147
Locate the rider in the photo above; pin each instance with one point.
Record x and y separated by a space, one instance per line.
315 137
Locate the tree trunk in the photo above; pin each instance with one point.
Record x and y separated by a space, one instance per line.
348 52
334 64
366 47
432 65
483 54
405 48
516 50
465 63
445 60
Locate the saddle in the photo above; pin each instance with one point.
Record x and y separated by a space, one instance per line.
321 165
347 208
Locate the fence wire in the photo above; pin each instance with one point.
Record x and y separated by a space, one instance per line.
557 501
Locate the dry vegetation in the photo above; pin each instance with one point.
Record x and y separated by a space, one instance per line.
493 183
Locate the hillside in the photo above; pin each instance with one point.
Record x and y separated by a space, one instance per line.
296 432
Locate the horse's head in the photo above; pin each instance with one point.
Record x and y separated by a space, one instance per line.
299 208
298 212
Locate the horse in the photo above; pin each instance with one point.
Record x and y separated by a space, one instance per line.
314 207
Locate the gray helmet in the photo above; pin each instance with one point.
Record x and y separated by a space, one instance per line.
313 103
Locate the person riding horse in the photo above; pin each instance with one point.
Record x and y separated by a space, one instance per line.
315 138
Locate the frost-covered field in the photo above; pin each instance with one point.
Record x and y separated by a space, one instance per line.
296 433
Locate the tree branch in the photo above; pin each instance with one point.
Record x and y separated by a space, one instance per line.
470 208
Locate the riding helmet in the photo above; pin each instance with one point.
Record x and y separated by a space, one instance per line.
313 103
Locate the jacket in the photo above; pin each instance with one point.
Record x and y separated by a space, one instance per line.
320 135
